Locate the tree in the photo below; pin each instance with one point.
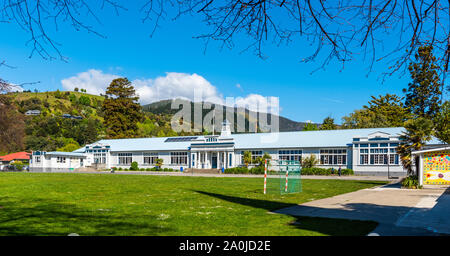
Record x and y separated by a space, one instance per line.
384 111
328 124
12 127
247 157
261 160
310 127
121 110
69 145
442 123
309 161
423 95
418 131
159 162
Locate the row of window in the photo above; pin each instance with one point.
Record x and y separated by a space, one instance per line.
327 156
150 158
375 145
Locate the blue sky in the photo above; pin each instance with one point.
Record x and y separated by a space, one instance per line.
129 51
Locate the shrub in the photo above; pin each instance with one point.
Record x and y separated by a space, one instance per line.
18 164
310 161
134 166
411 182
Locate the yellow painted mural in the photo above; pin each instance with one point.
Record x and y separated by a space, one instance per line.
436 168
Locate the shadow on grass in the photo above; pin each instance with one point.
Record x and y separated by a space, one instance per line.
328 226
47 217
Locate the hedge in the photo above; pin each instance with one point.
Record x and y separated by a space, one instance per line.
305 171
154 169
322 171
245 170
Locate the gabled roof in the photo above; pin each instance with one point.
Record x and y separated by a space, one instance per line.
296 139
16 156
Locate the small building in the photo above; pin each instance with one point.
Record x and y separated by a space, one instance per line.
42 161
19 156
434 166
34 112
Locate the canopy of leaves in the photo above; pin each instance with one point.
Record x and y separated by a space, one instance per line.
423 95
418 132
384 111
442 123
310 127
121 110
11 127
328 124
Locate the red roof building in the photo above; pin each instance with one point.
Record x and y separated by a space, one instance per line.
21 156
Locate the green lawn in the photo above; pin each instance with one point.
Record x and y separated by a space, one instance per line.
103 204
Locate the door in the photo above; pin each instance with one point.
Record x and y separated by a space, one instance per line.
214 162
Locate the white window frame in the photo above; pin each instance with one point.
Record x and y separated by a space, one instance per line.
125 158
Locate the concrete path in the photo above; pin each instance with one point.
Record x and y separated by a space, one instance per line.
398 211
314 177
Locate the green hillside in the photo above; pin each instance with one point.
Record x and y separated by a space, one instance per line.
70 120
285 124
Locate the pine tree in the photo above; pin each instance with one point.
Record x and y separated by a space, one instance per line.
121 110
423 95
328 124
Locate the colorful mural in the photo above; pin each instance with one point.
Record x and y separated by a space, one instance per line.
436 168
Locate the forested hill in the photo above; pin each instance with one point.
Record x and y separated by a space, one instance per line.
65 121
164 107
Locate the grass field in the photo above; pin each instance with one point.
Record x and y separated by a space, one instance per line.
103 204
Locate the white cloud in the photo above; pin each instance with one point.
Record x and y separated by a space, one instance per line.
176 85
93 80
173 85
15 88
259 103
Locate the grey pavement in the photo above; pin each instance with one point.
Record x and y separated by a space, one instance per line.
398 211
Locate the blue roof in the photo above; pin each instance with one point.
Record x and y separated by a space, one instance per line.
306 139
296 139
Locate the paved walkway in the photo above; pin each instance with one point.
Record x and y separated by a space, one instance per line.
315 177
398 211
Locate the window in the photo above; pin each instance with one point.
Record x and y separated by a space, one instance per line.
202 157
256 154
150 158
125 158
100 158
61 159
37 159
382 155
178 158
293 155
231 162
333 156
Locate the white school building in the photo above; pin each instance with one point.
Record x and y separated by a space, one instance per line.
366 151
